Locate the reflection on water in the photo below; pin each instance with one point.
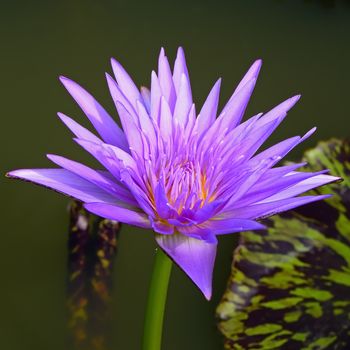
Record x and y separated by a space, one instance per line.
92 247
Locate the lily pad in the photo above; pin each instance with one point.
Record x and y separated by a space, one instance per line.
289 286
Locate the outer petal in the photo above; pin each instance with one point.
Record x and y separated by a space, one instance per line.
66 182
280 111
179 69
132 132
234 110
290 185
252 73
118 96
207 115
184 101
262 210
102 121
195 257
96 177
156 94
302 187
125 82
219 226
78 130
113 212
166 79
282 148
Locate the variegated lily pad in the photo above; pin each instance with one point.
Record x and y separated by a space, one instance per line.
290 285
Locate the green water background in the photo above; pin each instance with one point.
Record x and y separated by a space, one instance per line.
306 49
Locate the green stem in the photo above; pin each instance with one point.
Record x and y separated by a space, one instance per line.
152 336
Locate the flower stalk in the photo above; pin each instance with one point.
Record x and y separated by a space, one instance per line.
152 337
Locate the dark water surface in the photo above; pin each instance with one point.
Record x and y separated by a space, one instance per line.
306 49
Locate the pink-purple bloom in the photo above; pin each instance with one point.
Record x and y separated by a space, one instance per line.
190 177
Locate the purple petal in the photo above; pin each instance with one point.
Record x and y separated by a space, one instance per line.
78 130
132 132
252 73
103 123
220 225
280 149
179 69
166 80
199 232
301 187
121 193
165 120
146 98
209 110
125 83
114 152
65 182
102 154
156 94
266 209
223 226
195 257
114 212
161 201
118 96
280 111
276 173
269 188
139 193
234 110
162 228
204 213
249 181
146 124
183 101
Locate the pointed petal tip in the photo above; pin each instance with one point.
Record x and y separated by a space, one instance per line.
117 67
255 68
293 100
14 173
258 63
259 226
114 61
195 257
61 115
108 77
53 157
154 75
10 174
18 174
180 50
308 134
207 294
64 80
324 196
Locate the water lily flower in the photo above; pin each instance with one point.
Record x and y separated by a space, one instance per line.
189 177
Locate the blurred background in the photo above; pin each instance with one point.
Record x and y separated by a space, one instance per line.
306 49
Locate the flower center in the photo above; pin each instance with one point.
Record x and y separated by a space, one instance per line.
185 186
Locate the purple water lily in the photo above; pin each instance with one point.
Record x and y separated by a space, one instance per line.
188 177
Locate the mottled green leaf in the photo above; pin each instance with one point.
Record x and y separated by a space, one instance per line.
290 285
